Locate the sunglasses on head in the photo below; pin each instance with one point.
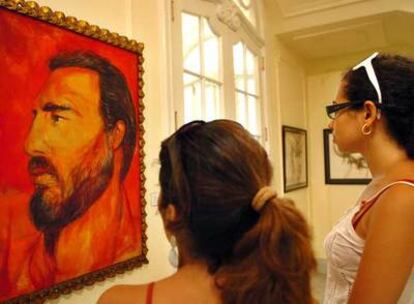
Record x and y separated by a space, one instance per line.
367 64
185 127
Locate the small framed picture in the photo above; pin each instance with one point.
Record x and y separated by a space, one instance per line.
295 167
343 168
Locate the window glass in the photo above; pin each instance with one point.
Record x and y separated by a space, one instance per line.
246 85
241 109
192 98
201 76
251 68
212 100
238 63
203 46
253 115
191 42
211 45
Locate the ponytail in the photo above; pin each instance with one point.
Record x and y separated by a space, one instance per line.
255 245
272 262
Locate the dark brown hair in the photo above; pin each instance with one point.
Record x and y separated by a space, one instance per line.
210 172
396 80
116 100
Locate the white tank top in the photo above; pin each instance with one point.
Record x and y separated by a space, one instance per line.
344 249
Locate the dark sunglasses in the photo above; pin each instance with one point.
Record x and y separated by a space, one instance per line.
189 126
332 109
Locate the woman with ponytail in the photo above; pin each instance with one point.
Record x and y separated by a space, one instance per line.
238 243
370 251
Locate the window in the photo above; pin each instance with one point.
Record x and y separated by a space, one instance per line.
201 77
246 88
215 62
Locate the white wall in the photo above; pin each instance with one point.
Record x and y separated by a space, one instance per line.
328 202
292 99
143 21
271 92
285 90
298 99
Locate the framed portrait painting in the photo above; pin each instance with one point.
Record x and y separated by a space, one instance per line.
71 127
343 168
295 171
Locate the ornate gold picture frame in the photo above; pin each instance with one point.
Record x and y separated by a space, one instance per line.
71 127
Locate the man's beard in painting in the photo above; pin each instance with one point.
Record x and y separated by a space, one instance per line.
89 181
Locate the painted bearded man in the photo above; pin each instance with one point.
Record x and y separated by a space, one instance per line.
80 146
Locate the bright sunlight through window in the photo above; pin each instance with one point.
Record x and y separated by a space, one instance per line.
202 74
247 92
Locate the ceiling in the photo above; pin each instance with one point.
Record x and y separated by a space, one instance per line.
293 8
387 30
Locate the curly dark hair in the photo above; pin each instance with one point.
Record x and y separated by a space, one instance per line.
395 75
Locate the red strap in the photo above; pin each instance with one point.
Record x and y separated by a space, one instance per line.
407 180
359 216
150 289
364 209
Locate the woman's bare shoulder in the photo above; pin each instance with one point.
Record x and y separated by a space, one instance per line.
401 194
123 294
396 204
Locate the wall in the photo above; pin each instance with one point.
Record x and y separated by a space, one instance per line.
143 21
292 99
271 92
329 202
299 99
285 91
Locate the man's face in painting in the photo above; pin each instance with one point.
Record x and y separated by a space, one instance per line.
71 160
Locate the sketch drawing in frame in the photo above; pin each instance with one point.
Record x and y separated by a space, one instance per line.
295 167
343 168
72 183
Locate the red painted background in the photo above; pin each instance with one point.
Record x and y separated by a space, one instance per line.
26 45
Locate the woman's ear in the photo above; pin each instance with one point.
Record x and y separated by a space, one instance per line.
117 134
370 112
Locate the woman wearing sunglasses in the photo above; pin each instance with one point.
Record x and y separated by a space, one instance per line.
370 251
237 242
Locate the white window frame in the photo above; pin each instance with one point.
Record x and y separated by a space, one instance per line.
228 22
203 78
247 94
